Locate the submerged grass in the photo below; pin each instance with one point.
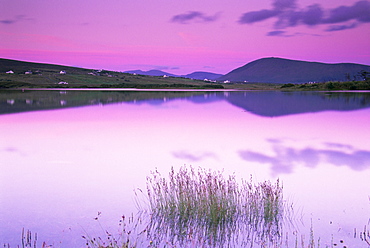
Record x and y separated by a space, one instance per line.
204 206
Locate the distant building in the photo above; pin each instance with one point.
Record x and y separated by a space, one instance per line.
62 83
226 81
165 76
28 72
10 72
62 72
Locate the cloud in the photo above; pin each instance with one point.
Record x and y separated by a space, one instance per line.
287 14
193 16
194 157
15 20
340 27
284 4
286 158
360 11
161 67
257 16
8 21
276 33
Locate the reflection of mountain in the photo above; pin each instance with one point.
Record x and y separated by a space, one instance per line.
276 103
263 103
16 101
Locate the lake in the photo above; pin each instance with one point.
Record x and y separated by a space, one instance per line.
70 156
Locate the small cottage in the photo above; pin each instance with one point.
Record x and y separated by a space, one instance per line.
63 72
10 72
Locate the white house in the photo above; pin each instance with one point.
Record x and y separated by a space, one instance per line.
62 83
28 72
62 72
10 72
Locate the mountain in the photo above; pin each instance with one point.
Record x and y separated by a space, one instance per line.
201 75
151 73
278 70
21 66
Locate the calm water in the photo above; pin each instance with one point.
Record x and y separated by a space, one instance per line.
67 155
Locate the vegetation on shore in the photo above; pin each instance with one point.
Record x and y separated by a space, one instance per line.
18 74
329 86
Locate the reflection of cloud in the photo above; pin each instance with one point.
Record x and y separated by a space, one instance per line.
194 16
286 158
192 156
288 15
12 150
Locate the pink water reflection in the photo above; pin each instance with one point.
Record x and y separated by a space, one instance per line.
60 167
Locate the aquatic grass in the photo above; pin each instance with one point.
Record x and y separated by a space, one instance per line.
204 206
128 235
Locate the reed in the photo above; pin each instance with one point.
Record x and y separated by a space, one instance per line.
204 206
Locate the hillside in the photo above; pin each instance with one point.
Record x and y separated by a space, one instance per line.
278 70
157 73
38 75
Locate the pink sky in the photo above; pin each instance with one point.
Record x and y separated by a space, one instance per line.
180 37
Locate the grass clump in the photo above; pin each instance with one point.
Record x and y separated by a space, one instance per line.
206 208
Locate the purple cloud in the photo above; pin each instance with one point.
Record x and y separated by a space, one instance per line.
8 21
276 33
257 16
340 27
15 20
194 16
284 4
313 15
360 11
288 15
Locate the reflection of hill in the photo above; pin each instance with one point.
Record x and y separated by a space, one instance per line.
17 101
263 103
276 103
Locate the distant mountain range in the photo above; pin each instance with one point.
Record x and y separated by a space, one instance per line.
265 70
278 70
199 75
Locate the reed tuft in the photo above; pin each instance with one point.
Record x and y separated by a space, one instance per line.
205 207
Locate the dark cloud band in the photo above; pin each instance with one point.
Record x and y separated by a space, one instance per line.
193 16
15 20
288 15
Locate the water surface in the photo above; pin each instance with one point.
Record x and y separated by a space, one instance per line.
67 155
